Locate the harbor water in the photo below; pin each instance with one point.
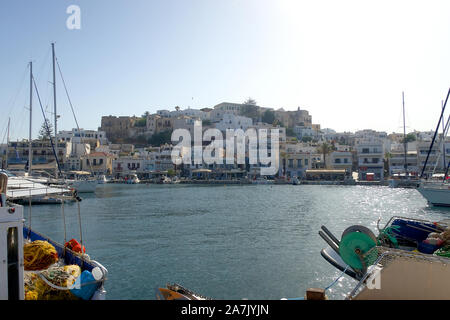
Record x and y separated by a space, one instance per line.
224 242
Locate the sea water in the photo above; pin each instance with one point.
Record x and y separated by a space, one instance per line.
224 242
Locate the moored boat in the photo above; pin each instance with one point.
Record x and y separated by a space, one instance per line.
436 193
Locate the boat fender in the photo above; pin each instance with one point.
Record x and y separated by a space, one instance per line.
86 286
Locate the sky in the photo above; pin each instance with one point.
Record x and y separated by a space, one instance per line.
346 62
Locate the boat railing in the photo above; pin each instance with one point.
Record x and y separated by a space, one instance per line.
30 192
393 218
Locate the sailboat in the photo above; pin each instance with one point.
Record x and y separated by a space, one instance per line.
404 180
437 192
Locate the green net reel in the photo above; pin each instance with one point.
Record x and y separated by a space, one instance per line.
356 241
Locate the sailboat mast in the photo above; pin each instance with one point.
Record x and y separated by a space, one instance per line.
30 153
405 144
54 105
7 145
443 138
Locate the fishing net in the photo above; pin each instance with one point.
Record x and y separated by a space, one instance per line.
51 284
39 255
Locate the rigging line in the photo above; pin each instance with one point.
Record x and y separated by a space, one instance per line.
73 112
47 127
435 133
441 144
13 98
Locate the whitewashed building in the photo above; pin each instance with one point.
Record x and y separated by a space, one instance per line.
370 154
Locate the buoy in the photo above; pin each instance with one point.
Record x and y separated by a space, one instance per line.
75 246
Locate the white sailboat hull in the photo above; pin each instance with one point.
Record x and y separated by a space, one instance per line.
84 186
438 195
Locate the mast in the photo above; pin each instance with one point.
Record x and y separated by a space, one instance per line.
443 139
54 104
435 133
7 145
405 144
30 153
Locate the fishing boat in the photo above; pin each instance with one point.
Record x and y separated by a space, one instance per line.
71 274
402 275
351 253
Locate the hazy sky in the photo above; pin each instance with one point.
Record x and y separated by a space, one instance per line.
346 62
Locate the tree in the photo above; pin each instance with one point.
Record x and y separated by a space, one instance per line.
171 172
290 132
250 111
145 114
410 137
268 117
250 101
46 131
161 138
325 149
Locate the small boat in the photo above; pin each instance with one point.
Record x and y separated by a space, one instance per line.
102 179
404 181
177 292
132 179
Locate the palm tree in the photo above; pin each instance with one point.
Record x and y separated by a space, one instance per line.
325 149
387 156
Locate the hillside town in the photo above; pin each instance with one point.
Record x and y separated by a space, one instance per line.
142 146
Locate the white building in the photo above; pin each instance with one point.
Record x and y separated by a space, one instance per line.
83 136
231 121
340 160
370 154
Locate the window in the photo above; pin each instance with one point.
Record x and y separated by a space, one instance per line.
291 163
337 160
299 163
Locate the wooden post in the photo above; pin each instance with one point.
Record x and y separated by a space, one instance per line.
315 294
